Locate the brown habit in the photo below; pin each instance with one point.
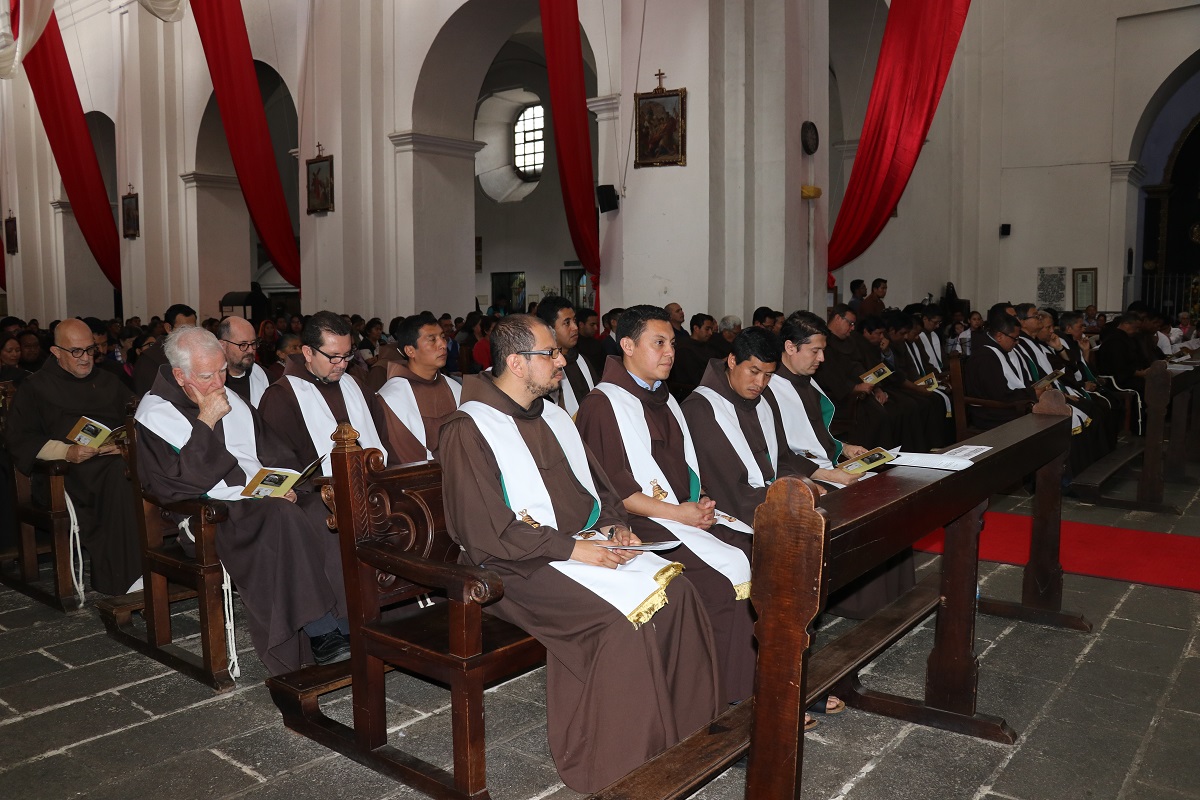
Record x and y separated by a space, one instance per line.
615 696
436 403
47 407
282 557
281 413
732 620
724 474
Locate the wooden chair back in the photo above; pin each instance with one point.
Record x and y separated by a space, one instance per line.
170 575
960 401
33 515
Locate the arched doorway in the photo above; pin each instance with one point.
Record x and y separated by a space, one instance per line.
1168 150
229 255
436 160
88 291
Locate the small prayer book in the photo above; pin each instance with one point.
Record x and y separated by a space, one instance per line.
876 375
867 461
928 382
90 433
1049 380
277 481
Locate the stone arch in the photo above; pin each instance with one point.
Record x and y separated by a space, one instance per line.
224 252
435 161
1182 75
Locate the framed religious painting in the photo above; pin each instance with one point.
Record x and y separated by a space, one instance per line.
661 128
320 184
10 235
131 224
1083 284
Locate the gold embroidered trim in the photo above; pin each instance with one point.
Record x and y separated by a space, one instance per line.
742 591
658 598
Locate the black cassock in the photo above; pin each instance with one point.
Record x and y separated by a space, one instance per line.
46 408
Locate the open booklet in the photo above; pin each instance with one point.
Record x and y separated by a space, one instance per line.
277 481
928 382
876 375
1049 380
90 433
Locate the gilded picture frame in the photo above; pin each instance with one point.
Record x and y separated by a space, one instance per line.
661 128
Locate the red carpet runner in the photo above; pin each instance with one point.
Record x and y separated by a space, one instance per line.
1158 559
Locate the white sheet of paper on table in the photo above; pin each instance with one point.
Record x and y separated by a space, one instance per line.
968 451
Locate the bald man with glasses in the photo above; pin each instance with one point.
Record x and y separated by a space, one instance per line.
315 394
46 409
242 375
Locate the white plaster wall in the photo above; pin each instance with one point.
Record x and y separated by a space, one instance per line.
664 213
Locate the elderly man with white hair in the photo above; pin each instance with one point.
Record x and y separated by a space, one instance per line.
198 439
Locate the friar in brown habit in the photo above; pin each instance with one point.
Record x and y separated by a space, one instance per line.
315 394
637 431
196 438
48 405
630 669
417 398
806 413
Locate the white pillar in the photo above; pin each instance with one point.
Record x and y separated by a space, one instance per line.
1114 286
434 221
608 171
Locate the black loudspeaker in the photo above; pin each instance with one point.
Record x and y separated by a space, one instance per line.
606 197
1005 229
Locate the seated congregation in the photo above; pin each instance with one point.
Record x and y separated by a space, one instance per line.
560 448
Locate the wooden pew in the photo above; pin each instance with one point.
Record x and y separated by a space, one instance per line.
170 575
25 574
1177 392
803 553
395 549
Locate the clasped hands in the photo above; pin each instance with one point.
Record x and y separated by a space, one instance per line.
78 453
590 552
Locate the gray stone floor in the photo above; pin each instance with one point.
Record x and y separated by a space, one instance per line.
1114 713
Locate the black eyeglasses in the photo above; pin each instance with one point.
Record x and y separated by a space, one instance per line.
1008 335
553 353
79 352
334 359
245 346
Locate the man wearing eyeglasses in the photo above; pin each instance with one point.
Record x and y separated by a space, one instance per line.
417 398
242 375
861 408
46 409
315 394
629 662
196 438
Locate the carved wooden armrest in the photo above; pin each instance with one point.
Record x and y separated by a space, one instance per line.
461 582
209 511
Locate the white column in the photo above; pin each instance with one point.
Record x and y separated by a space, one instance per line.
1114 286
434 221
608 171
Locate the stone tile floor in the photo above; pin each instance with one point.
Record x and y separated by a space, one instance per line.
1110 714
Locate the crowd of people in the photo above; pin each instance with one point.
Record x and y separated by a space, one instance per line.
566 440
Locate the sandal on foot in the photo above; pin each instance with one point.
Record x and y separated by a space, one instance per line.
825 707
810 723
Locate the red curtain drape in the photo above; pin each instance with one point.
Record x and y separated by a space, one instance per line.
57 98
572 139
918 48
231 65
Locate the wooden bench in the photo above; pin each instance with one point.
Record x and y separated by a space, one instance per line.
1165 391
21 570
170 575
395 549
803 553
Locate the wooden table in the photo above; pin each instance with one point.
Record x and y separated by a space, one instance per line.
803 553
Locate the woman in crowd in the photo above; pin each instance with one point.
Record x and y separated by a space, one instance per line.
10 355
